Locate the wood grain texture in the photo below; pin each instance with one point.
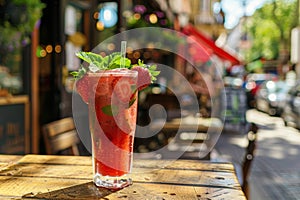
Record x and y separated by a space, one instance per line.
69 177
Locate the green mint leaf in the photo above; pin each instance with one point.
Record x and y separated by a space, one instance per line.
117 64
112 61
95 57
75 74
110 110
78 74
134 89
131 102
152 67
140 62
81 72
83 56
89 56
109 59
155 73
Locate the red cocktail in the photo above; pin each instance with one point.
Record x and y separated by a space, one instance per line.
112 101
109 85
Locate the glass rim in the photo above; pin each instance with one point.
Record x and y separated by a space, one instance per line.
117 71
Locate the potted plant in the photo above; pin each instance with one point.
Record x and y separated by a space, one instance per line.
17 20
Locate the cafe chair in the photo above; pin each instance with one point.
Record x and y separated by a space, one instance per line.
248 158
60 137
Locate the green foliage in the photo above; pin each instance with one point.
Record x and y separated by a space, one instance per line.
97 62
17 24
270 28
113 61
33 12
152 69
29 13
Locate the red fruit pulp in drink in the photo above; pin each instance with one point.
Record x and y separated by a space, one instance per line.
112 122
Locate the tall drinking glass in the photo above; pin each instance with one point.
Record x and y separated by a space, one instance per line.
112 121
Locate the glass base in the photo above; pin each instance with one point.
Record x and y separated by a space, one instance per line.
110 182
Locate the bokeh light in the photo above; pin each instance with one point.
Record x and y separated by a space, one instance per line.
108 15
153 19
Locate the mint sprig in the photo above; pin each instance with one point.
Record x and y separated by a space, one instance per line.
97 62
78 74
110 110
113 61
151 68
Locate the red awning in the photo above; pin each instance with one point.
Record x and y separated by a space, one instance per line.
198 51
209 45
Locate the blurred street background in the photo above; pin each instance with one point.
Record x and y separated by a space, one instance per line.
275 172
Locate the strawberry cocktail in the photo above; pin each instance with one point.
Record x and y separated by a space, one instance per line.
110 90
112 118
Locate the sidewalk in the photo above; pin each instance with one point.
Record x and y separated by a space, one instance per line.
275 172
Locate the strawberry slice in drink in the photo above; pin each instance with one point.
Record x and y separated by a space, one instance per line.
102 88
82 88
124 90
144 77
124 120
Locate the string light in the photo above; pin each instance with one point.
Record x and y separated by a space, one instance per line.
153 18
111 46
136 16
147 55
43 53
96 15
129 50
49 48
136 55
57 48
100 26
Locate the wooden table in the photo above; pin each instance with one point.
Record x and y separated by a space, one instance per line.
69 177
191 137
189 123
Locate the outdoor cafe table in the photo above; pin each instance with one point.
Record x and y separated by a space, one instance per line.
193 136
70 177
188 123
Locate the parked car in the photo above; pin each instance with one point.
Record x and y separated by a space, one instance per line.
252 83
291 111
270 97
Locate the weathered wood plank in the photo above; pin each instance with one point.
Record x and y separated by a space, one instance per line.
18 186
184 164
141 191
44 171
189 177
52 167
7 161
86 160
70 177
53 159
145 164
4 159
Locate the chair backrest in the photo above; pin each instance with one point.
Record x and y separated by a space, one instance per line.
249 156
61 135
